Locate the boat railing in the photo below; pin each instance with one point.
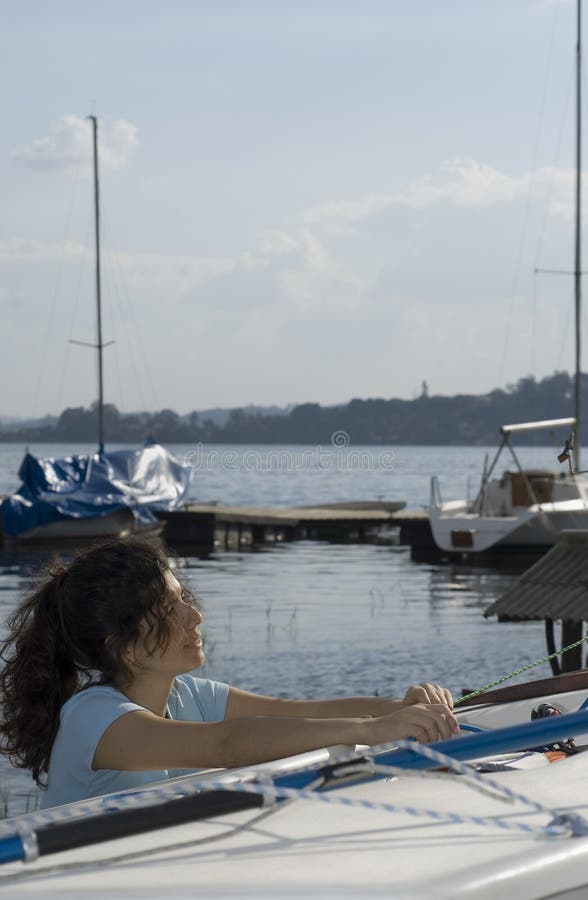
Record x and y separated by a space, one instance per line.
435 500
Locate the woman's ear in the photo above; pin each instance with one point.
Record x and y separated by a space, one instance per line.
128 655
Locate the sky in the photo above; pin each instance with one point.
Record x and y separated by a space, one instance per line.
302 200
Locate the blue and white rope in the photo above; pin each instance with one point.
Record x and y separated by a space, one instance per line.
273 793
264 786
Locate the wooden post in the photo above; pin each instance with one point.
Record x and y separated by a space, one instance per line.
257 534
571 631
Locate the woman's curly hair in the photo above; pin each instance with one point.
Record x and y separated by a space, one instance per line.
73 631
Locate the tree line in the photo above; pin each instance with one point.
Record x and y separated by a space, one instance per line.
464 419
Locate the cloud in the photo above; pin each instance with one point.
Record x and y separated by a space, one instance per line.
10 301
18 250
69 145
464 183
348 211
316 279
301 272
275 242
383 285
169 277
146 275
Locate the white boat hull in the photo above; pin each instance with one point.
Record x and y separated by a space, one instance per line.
316 849
535 528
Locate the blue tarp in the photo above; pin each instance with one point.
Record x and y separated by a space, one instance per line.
81 487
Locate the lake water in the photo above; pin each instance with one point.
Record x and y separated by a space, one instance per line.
310 619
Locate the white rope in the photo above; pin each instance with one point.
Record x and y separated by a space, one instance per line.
273 793
266 787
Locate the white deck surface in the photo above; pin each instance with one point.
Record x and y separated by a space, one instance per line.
307 848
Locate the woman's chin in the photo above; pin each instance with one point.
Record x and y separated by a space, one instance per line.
194 656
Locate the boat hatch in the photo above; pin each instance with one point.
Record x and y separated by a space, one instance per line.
528 488
462 538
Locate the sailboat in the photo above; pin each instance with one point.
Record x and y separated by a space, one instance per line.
501 819
525 510
519 511
100 494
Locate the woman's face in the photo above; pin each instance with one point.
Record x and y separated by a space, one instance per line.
184 651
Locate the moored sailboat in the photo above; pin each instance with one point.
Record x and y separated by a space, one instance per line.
104 494
525 510
522 510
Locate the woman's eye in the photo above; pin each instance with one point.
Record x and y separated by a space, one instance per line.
189 599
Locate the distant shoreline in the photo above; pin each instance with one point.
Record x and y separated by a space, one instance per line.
430 421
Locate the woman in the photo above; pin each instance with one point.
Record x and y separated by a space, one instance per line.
96 695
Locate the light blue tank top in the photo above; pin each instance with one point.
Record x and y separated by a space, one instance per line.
86 716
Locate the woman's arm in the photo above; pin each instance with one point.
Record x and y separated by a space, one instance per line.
142 741
242 703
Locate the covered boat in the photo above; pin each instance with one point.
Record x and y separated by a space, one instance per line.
94 495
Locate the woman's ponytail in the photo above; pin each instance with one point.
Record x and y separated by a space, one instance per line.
37 677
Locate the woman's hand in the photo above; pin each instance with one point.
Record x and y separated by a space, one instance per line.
428 693
424 722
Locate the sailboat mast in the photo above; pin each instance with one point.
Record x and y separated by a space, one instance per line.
578 249
99 344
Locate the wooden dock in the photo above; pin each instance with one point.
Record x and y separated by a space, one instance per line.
211 524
